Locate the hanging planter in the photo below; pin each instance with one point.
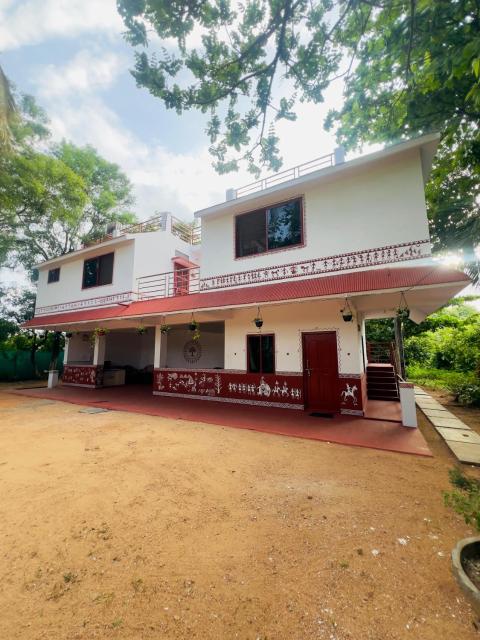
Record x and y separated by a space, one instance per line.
194 327
403 310
347 313
258 320
165 328
100 331
141 330
68 335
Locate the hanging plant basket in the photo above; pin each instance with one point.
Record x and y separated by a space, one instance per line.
347 313
165 328
193 326
258 320
141 330
403 311
100 331
68 335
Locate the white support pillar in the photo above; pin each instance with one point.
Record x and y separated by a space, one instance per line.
99 350
407 404
158 348
65 350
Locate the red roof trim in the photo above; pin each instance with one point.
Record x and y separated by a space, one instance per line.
340 284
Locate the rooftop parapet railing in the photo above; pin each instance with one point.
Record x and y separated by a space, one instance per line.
284 176
180 282
188 232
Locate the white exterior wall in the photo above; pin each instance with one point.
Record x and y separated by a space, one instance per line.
130 347
80 349
154 252
145 254
288 322
377 205
69 287
211 344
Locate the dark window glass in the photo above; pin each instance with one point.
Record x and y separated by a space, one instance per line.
98 271
284 225
250 233
54 275
261 354
105 275
254 356
268 229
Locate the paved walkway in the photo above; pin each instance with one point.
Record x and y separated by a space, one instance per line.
463 442
350 430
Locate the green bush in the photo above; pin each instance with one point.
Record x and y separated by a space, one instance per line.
420 349
467 393
439 378
465 498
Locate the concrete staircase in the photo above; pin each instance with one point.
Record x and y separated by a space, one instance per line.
382 382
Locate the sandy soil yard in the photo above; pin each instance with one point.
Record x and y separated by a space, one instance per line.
119 525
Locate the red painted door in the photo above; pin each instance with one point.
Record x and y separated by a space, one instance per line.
320 371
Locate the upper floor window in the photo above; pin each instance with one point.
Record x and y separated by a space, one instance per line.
53 275
98 271
261 353
268 229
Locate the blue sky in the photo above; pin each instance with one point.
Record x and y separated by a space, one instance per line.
71 55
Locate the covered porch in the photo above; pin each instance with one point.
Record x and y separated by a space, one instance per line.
349 430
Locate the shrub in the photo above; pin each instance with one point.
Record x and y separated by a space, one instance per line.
467 393
420 349
465 498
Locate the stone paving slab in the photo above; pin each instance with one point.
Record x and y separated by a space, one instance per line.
451 421
438 413
459 435
465 451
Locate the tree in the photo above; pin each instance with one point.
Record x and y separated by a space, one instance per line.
8 112
54 201
409 67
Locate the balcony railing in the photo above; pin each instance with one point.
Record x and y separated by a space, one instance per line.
180 282
284 176
186 231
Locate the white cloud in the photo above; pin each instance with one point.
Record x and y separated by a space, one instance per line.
35 21
87 72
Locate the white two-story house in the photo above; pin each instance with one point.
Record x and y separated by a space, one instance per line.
271 307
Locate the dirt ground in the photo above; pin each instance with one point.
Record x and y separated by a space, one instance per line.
118 525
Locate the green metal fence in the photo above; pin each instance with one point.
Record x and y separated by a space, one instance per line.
16 365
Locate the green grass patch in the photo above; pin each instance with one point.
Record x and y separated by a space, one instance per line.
441 379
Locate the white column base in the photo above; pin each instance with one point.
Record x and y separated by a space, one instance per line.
407 404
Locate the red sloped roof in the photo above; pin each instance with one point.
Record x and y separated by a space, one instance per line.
339 284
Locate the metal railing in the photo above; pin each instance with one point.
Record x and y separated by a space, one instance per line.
188 232
180 282
382 353
288 174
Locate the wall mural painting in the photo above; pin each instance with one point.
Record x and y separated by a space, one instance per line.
350 392
84 375
281 389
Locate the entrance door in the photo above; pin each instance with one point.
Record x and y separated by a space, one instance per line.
320 371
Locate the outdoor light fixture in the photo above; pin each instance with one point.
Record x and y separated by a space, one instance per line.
403 311
258 320
347 313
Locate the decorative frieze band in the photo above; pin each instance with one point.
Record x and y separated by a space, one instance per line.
355 260
101 301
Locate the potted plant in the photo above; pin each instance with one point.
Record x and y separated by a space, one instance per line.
165 328
465 500
69 334
99 331
141 330
403 311
258 320
347 313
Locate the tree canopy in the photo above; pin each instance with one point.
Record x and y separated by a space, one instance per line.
408 67
54 197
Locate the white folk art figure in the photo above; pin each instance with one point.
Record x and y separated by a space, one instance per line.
264 389
350 392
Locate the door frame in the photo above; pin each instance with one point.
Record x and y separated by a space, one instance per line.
304 368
